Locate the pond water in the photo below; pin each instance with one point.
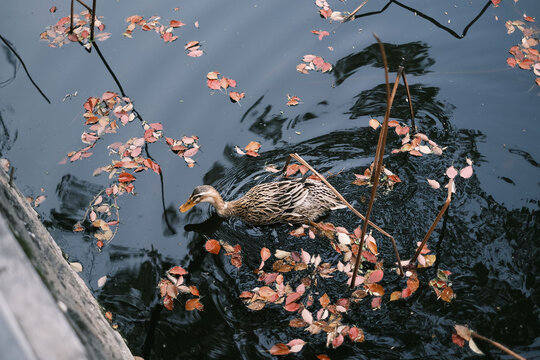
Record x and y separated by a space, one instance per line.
466 99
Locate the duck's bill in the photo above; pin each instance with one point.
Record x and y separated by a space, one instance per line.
188 205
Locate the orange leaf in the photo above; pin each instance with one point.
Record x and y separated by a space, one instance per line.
324 300
447 294
396 295
236 96
176 23
193 304
375 289
253 145
212 246
194 290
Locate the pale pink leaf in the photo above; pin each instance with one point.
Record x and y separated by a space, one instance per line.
307 316
434 183
466 172
451 172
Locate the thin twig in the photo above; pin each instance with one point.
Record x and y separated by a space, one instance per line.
351 15
413 124
439 216
93 13
71 18
24 67
498 345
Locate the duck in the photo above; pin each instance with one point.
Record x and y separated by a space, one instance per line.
299 200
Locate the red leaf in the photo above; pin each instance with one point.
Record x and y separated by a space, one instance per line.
279 349
178 270
292 307
376 302
212 246
323 357
458 340
511 61
528 18
265 254
168 302
125 177
375 276
338 340
496 2
213 84
52 9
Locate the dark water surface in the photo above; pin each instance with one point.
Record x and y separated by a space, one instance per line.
465 96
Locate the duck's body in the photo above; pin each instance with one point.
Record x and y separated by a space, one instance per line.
293 201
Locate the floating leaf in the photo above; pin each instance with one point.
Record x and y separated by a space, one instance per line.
101 281
212 246
265 254
279 349
433 183
76 266
178 270
466 172
375 276
194 304
324 300
451 172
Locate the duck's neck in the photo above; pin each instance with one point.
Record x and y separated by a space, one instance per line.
223 208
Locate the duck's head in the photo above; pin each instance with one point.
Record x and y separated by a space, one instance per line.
203 193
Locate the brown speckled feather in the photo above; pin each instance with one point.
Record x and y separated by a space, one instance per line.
294 201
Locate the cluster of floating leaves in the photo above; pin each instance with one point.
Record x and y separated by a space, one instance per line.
234 252
326 12
152 23
58 34
186 148
174 285
524 55
313 63
102 116
451 172
416 144
388 179
216 81
193 49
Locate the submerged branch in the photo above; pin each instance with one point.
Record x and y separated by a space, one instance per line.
24 67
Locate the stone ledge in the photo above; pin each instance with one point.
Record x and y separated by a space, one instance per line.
34 280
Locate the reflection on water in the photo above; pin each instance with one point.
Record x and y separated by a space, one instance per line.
413 56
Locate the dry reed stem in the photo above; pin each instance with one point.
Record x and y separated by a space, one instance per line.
439 216
497 345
